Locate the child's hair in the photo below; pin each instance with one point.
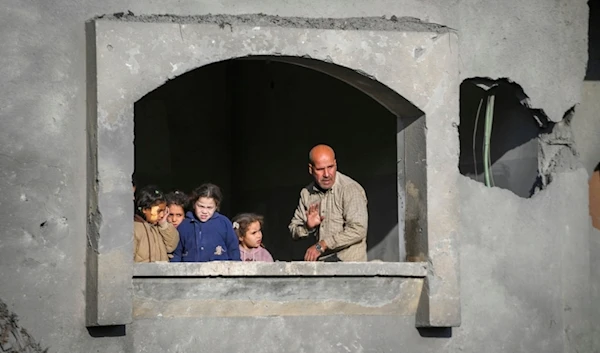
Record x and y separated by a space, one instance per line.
147 197
178 198
208 190
242 221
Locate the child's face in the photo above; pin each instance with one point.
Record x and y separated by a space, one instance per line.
176 215
204 208
253 236
155 213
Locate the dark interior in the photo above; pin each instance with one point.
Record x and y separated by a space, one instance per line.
513 145
247 126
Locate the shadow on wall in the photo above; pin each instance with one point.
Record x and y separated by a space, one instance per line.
107 331
436 332
247 126
513 142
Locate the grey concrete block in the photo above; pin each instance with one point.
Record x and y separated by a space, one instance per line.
186 297
110 209
327 333
281 269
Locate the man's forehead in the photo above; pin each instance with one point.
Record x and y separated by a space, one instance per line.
324 162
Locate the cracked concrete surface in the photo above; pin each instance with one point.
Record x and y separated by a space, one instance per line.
13 337
507 242
383 23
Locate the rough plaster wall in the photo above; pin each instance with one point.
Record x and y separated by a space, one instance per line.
586 128
595 286
42 158
13 337
527 277
586 125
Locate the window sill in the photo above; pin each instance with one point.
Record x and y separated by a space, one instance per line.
281 269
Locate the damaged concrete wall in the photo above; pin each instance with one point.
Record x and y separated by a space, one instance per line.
586 129
525 263
13 337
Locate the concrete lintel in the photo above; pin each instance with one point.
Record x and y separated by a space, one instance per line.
281 269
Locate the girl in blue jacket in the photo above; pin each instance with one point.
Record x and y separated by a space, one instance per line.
205 234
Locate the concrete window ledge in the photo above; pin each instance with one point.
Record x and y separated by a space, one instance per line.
281 269
196 291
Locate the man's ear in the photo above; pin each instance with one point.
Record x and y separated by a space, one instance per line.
310 169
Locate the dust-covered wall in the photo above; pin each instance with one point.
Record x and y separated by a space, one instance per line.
524 263
586 129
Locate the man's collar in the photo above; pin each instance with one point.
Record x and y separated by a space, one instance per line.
317 188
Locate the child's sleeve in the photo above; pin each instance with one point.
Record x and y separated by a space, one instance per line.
178 251
170 236
136 242
233 244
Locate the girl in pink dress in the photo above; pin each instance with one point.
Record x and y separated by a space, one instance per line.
248 228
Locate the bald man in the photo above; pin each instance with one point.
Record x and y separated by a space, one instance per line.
333 209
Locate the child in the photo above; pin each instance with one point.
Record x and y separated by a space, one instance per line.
177 203
248 227
206 235
153 237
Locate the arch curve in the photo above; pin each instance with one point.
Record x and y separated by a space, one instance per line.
368 85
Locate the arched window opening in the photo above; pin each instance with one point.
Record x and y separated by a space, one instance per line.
247 126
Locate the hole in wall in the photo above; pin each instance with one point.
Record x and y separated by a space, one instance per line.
247 126
512 146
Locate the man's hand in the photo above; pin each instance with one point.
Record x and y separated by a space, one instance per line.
312 254
313 216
